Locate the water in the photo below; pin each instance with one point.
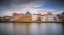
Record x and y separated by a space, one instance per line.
31 29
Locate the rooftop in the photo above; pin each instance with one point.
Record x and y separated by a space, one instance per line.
28 13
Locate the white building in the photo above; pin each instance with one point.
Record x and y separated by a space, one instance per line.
34 17
50 17
43 18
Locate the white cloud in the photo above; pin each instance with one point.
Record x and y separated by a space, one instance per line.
38 6
27 7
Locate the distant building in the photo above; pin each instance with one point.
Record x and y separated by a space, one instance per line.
27 16
50 16
16 17
44 17
39 16
22 16
34 17
6 18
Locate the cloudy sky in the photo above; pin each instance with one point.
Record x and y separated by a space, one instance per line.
8 7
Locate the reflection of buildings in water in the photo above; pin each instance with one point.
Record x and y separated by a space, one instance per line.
50 28
62 28
21 28
17 28
27 28
33 28
6 28
37 28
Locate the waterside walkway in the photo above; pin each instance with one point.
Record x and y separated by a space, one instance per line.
37 21
34 21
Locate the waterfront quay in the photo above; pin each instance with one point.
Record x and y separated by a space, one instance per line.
34 21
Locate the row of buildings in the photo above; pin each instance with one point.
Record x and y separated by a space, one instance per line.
32 17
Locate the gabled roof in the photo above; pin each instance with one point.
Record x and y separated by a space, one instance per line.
16 14
28 13
22 14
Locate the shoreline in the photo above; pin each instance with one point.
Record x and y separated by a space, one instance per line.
33 21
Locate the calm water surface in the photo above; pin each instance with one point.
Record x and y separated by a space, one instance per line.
31 29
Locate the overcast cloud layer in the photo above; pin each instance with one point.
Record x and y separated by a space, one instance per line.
8 7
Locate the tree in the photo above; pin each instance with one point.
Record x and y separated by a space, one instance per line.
63 13
59 16
0 18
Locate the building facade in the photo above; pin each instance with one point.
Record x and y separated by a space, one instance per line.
6 18
34 17
27 16
39 16
16 17
50 16
22 16
44 17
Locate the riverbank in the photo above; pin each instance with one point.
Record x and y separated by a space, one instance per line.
40 22
34 21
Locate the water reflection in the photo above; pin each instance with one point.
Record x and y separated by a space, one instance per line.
31 28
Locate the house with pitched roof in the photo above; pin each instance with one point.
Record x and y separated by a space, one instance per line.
50 16
27 16
34 17
16 17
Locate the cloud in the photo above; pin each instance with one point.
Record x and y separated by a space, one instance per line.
22 8
8 7
38 6
31 10
8 3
